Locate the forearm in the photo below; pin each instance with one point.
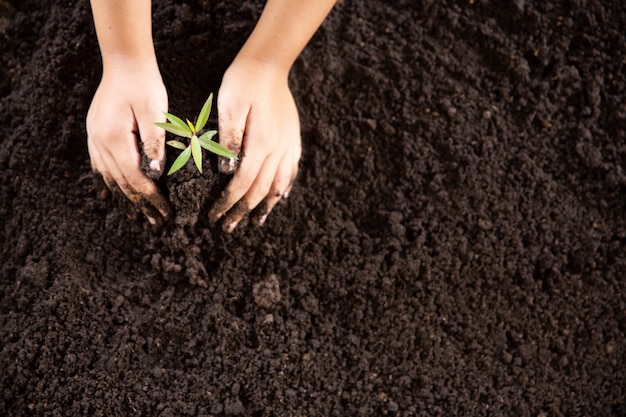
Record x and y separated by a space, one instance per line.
284 29
124 30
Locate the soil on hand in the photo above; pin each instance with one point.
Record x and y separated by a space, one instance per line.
455 243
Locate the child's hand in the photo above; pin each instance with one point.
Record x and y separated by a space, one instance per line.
128 101
258 120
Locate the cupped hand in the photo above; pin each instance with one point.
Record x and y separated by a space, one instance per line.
129 99
258 120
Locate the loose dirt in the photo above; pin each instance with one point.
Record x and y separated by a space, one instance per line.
455 244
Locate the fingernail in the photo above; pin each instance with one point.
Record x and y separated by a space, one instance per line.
226 165
262 219
231 226
286 195
155 165
151 220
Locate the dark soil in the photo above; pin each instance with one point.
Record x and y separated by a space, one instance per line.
455 244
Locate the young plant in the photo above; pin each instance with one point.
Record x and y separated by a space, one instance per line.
196 143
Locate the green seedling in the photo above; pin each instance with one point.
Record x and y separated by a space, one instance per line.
196 141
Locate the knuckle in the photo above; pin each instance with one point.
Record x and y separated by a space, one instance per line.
281 184
232 138
143 185
130 193
152 146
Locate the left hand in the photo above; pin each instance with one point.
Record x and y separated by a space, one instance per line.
258 121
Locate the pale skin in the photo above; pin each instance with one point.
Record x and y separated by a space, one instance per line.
258 118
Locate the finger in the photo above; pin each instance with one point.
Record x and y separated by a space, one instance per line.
151 214
95 158
262 184
227 165
147 190
287 192
296 155
243 179
101 166
265 208
135 199
118 184
234 216
231 126
257 192
126 196
136 185
97 168
159 201
152 140
148 204
279 191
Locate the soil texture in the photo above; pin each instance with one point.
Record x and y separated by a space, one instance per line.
455 243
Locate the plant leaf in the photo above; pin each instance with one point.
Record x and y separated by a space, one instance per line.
215 147
180 161
196 151
175 120
208 135
204 113
176 144
193 128
178 131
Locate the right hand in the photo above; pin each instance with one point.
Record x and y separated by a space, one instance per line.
130 98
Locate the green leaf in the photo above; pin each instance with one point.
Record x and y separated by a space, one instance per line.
193 128
175 120
214 147
176 144
178 131
208 135
180 161
204 113
196 151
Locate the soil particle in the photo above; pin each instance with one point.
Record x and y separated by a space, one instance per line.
267 293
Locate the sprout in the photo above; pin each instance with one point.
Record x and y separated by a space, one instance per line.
188 130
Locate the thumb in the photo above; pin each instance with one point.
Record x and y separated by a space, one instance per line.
152 139
231 125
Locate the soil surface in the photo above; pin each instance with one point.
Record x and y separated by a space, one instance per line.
455 244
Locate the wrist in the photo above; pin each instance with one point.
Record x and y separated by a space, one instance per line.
129 63
274 56
263 67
